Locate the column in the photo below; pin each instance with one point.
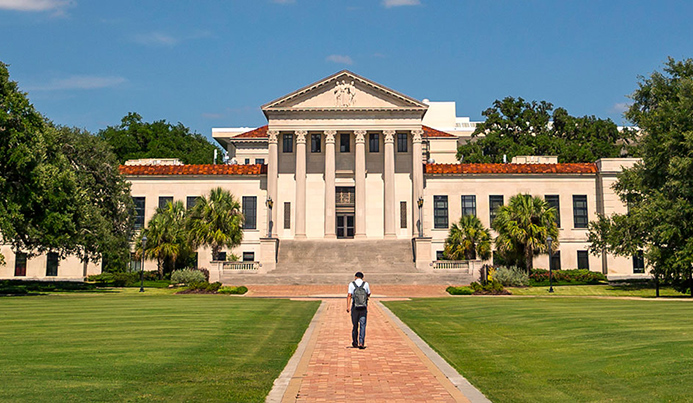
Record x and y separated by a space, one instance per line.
360 180
389 178
272 178
330 184
300 184
417 176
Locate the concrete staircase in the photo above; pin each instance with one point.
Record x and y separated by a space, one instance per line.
323 262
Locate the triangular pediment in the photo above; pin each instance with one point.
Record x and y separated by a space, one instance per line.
344 91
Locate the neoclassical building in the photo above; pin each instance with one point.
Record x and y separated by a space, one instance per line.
346 159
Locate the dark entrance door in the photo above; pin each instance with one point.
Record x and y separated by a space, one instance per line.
345 226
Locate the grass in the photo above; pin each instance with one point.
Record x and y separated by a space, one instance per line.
561 349
152 346
602 290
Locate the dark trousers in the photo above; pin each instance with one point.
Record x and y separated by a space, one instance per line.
358 317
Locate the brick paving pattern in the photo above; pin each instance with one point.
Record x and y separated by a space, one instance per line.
388 370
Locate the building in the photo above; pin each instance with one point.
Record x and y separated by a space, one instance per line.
347 158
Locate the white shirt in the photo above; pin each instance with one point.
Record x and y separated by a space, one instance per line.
359 282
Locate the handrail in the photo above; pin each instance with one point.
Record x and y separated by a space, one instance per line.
241 265
451 265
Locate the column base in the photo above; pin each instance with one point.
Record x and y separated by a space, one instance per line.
300 236
330 236
360 236
390 236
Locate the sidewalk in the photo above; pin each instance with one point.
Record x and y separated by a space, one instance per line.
391 369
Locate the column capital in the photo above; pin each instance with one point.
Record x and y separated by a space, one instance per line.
417 135
301 136
329 136
360 136
273 135
389 136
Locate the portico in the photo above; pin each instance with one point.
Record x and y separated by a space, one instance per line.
344 131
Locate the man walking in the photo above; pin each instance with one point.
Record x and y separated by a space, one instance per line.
357 304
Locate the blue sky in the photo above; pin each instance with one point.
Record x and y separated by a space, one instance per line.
213 63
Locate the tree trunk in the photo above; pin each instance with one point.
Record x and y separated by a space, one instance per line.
215 252
529 257
85 265
160 268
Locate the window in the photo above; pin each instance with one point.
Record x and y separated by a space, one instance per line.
583 260
403 214
580 211
554 201
248 256
440 212
221 256
440 255
20 264
250 212
287 215
135 263
288 143
52 264
344 142
401 142
139 212
315 143
164 201
638 263
191 201
374 143
469 205
260 161
247 161
555 262
494 202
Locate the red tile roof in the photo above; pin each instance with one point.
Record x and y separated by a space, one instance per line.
259 133
254 169
451 169
431 132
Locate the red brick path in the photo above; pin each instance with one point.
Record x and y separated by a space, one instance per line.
390 369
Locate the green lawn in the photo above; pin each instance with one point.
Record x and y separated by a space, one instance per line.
125 346
604 290
561 349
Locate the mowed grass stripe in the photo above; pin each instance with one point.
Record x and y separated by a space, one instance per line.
146 347
561 349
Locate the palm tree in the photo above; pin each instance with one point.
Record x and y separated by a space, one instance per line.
523 226
468 239
216 221
166 237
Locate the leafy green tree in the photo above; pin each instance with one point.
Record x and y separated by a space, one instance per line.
659 190
468 239
215 221
134 139
516 127
523 225
167 239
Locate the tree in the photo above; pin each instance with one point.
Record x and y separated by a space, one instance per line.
523 227
134 139
167 239
468 239
516 127
215 221
659 190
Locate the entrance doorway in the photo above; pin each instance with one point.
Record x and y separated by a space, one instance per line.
345 226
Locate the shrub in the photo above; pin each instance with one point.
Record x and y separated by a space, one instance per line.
511 276
119 279
204 286
489 288
540 277
459 290
205 272
188 276
233 290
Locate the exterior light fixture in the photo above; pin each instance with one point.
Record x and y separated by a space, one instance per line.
270 203
144 244
549 240
420 203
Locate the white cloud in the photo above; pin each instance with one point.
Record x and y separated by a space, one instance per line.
398 3
79 83
619 107
57 6
340 59
158 38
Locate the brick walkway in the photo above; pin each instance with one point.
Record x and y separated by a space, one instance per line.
390 369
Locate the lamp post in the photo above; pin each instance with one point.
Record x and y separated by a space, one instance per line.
144 243
269 202
420 203
549 240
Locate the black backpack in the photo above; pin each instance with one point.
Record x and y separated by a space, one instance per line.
360 296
